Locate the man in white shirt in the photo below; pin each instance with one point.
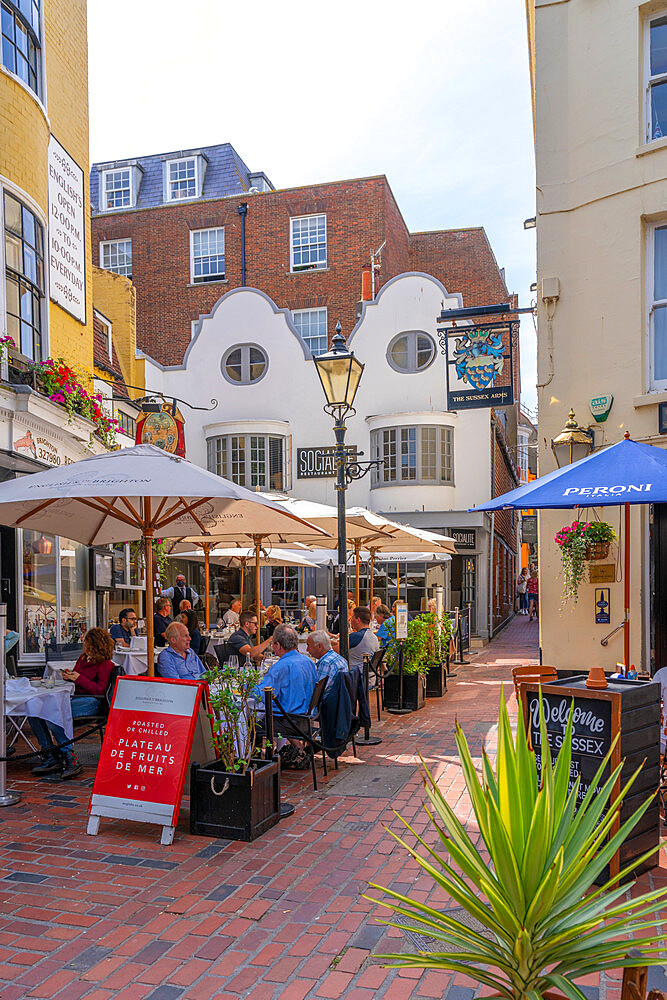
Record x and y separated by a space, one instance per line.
231 616
180 592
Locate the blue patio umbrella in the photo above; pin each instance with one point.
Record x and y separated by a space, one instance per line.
623 474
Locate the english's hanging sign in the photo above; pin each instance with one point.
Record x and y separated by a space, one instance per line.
479 365
164 430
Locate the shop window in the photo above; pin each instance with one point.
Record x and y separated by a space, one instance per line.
207 255
20 24
116 256
412 455
308 243
311 325
24 277
285 588
244 364
74 592
411 352
249 460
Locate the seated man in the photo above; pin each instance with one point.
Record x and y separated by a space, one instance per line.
161 620
231 615
184 606
178 660
126 628
242 643
328 661
361 642
293 676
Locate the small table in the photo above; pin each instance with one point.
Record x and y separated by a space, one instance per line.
133 661
51 703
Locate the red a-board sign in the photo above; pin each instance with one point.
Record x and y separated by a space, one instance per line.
146 751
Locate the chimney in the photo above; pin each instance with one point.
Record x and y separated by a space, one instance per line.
366 285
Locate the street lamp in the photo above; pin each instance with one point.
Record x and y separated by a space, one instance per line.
573 443
340 373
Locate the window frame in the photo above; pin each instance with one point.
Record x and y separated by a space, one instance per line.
306 341
389 443
649 80
320 266
245 364
652 303
34 36
413 352
234 451
122 417
194 280
168 181
104 207
39 324
109 243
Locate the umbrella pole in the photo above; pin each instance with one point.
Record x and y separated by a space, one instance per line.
626 589
207 570
257 539
398 581
150 624
372 567
242 581
357 544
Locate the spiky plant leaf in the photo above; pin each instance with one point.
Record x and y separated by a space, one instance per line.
533 888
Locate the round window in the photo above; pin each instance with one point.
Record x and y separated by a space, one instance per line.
412 351
244 364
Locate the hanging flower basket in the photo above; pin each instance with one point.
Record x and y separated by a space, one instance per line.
580 542
596 551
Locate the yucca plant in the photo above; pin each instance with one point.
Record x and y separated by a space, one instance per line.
544 923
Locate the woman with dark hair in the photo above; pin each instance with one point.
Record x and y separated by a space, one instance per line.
91 676
191 622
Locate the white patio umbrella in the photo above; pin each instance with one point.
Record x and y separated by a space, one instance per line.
139 493
240 557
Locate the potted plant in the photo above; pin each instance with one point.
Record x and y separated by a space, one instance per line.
439 638
415 665
541 923
236 796
578 542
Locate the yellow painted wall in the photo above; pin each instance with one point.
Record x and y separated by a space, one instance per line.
598 188
115 297
25 125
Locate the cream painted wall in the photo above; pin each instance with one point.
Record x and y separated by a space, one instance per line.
598 187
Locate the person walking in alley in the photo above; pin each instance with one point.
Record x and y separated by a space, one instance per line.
532 589
522 591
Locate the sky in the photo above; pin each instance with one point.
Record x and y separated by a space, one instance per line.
433 93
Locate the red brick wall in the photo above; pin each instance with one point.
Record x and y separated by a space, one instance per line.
361 214
504 480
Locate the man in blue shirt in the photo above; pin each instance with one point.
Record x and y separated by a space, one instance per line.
293 677
126 628
328 662
178 660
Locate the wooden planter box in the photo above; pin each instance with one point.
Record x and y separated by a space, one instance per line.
436 680
248 807
414 691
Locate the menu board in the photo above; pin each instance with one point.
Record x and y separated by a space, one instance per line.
591 733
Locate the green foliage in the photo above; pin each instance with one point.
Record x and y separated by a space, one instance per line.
574 540
234 715
546 924
425 645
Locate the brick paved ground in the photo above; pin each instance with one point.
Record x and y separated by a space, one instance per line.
119 916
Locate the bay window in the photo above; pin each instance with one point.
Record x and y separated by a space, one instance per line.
411 455
249 460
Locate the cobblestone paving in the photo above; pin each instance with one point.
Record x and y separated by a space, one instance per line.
279 919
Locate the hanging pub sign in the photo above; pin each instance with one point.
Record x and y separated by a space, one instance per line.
479 365
164 429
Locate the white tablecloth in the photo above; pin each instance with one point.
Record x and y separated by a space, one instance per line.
131 661
51 704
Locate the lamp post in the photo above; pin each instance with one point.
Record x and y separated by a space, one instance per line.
573 443
340 372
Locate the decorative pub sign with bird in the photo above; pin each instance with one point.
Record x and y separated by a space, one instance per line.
479 365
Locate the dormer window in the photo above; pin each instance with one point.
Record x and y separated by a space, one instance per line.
119 187
184 178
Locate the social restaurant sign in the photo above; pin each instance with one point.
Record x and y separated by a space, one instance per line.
591 733
320 463
146 750
67 258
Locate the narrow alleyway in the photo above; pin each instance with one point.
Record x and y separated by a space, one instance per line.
279 919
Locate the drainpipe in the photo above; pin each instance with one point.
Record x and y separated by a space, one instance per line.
243 211
491 538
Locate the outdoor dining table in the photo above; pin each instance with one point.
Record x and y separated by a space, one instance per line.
133 661
44 699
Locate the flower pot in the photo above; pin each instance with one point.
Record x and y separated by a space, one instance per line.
414 691
234 806
436 680
596 551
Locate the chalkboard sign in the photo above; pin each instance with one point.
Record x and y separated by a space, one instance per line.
591 733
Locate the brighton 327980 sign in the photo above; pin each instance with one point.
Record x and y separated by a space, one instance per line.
479 365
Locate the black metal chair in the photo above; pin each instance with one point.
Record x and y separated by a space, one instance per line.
222 653
374 669
103 714
300 727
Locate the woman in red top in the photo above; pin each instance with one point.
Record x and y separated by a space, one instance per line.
533 593
91 676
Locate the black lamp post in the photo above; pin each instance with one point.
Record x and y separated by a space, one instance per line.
339 373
